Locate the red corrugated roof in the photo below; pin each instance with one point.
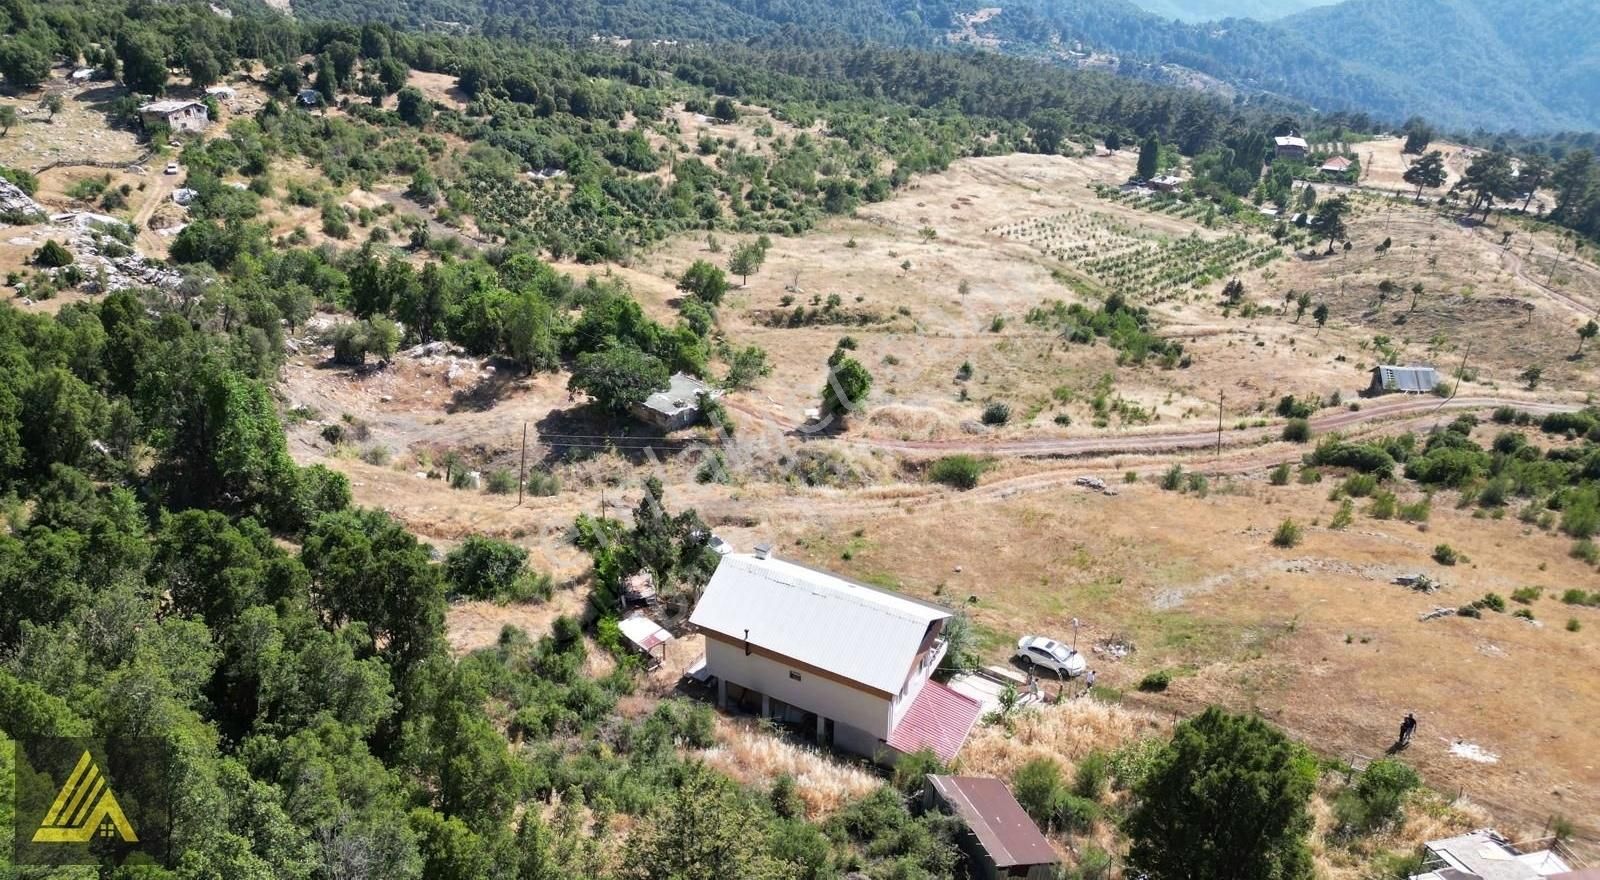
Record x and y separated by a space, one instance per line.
996 819
939 719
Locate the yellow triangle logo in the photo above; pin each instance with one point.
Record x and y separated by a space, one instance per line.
85 809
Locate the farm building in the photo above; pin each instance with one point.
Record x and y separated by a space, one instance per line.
1485 855
676 406
1290 146
1165 183
222 92
848 661
1405 380
176 115
308 97
646 637
1000 840
1336 165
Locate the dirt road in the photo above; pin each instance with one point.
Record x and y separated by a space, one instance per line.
1156 442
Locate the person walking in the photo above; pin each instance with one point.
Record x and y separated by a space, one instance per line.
1088 683
1408 727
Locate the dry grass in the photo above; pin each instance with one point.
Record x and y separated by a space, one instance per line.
1065 731
755 758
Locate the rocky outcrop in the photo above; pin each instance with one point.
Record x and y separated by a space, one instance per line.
15 204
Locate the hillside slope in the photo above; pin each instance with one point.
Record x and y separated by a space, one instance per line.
1463 64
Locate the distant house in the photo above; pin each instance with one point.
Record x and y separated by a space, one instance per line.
1405 380
677 406
308 97
1165 183
222 92
1336 165
176 115
848 661
1000 840
1290 146
1485 855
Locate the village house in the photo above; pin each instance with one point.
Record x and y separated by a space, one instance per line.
308 97
1485 855
1166 183
1290 146
1337 165
1000 839
677 406
845 661
1406 380
176 115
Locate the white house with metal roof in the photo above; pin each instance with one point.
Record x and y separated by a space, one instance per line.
816 650
1388 379
177 115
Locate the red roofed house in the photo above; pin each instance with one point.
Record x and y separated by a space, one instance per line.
1336 165
1001 841
850 661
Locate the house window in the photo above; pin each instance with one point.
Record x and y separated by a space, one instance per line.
794 675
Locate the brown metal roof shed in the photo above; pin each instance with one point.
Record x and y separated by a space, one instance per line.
1002 828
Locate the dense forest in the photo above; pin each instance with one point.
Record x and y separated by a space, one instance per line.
1486 63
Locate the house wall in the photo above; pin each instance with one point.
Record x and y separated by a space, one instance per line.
849 707
927 662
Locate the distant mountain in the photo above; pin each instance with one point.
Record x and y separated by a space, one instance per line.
1462 64
1215 10
1493 63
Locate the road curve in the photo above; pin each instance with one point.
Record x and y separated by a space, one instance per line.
1154 442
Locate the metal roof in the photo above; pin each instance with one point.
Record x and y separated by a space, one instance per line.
1489 856
683 393
169 106
939 719
1337 163
644 632
1418 379
857 632
1291 141
996 819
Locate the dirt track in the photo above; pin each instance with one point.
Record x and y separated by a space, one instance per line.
1145 443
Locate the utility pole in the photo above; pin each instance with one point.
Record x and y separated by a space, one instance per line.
1219 426
522 469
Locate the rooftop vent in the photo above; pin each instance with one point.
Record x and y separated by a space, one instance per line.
763 551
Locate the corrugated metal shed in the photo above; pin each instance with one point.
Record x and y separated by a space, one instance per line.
168 106
1290 141
1413 380
939 719
644 632
682 393
857 632
1002 827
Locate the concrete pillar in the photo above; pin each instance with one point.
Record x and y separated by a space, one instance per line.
822 730
766 706
722 693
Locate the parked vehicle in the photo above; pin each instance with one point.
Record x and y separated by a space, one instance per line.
720 545
172 168
1050 655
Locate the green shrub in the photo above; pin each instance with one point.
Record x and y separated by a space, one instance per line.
1383 505
1092 776
1469 611
1156 682
1524 613
911 770
1573 625
1494 602
51 255
543 484
1586 550
1526 595
997 413
1416 511
1444 554
376 454
1034 785
786 800
1577 597
1377 797
1071 813
530 586
1297 431
961 471
1172 480
483 568
1287 535
1279 475
1359 485
1342 517
501 481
